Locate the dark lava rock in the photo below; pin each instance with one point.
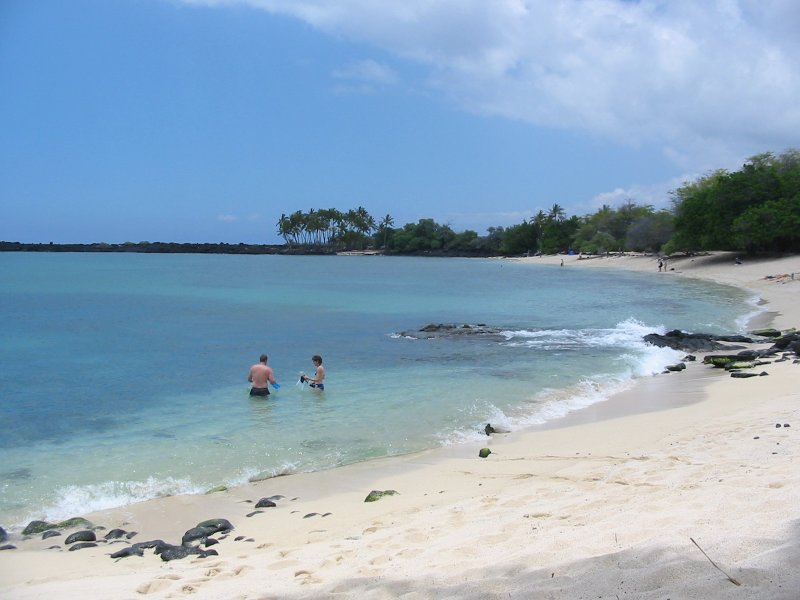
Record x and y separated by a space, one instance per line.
694 342
490 429
171 552
115 534
265 503
771 333
197 534
50 533
176 552
219 525
3 535
152 544
85 535
37 527
134 550
75 522
8 547
376 495
81 545
742 374
783 342
439 330
679 367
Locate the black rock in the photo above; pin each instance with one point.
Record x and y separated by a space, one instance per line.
85 535
3 535
176 552
211 542
772 333
438 330
742 374
152 544
81 545
50 533
115 534
265 503
693 342
679 367
37 527
8 547
134 550
170 552
219 525
197 534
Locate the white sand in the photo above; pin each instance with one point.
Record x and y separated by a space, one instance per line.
593 509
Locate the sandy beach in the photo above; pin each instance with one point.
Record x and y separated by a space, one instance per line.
687 485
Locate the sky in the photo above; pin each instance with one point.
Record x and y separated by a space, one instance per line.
205 120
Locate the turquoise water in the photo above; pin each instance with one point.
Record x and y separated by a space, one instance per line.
124 375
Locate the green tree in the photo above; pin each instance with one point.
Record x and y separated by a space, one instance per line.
519 239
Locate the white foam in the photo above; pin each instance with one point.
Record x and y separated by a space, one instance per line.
75 500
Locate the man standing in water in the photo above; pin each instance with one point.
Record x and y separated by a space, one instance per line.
260 376
318 380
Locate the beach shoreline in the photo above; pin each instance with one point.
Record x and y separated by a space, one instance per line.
604 502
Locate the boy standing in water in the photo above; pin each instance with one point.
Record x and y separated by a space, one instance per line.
260 375
318 380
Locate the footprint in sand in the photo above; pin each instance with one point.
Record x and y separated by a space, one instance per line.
416 537
282 564
157 585
306 577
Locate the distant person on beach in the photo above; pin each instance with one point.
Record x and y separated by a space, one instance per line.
260 376
660 264
318 380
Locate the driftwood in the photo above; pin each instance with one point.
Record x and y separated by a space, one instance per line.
731 579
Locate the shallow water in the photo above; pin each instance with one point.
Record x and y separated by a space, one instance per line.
124 375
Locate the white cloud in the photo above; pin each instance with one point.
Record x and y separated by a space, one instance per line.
227 218
368 71
709 82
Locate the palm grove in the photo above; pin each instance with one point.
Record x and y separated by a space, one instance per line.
755 209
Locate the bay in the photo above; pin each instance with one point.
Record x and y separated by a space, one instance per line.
124 375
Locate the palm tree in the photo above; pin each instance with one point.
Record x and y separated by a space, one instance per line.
386 224
557 213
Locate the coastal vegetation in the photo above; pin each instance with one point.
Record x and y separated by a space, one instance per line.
754 209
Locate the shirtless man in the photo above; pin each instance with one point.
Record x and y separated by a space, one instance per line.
261 375
318 380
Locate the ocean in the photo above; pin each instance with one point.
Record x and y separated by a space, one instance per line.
123 377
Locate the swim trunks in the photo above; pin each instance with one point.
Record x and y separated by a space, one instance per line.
259 391
319 386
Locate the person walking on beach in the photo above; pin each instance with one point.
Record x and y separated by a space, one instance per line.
318 380
260 376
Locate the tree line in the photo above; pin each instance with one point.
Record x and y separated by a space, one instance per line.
754 209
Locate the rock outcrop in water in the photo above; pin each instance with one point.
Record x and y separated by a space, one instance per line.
441 330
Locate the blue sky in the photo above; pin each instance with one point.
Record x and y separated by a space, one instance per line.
191 121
